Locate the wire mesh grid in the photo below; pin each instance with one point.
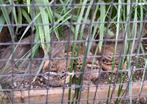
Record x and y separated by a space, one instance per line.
73 52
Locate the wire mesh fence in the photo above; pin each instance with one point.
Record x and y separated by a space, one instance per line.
73 52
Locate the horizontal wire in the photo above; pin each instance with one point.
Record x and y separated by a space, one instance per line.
66 72
72 41
75 23
71 5
70 57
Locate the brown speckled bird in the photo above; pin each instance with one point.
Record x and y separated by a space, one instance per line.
110 57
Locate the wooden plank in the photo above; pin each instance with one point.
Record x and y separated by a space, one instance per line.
54 95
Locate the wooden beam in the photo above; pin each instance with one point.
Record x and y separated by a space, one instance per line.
54 95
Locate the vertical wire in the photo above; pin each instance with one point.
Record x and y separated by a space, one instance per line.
90 36
31 59
68 35
50 52
13 53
